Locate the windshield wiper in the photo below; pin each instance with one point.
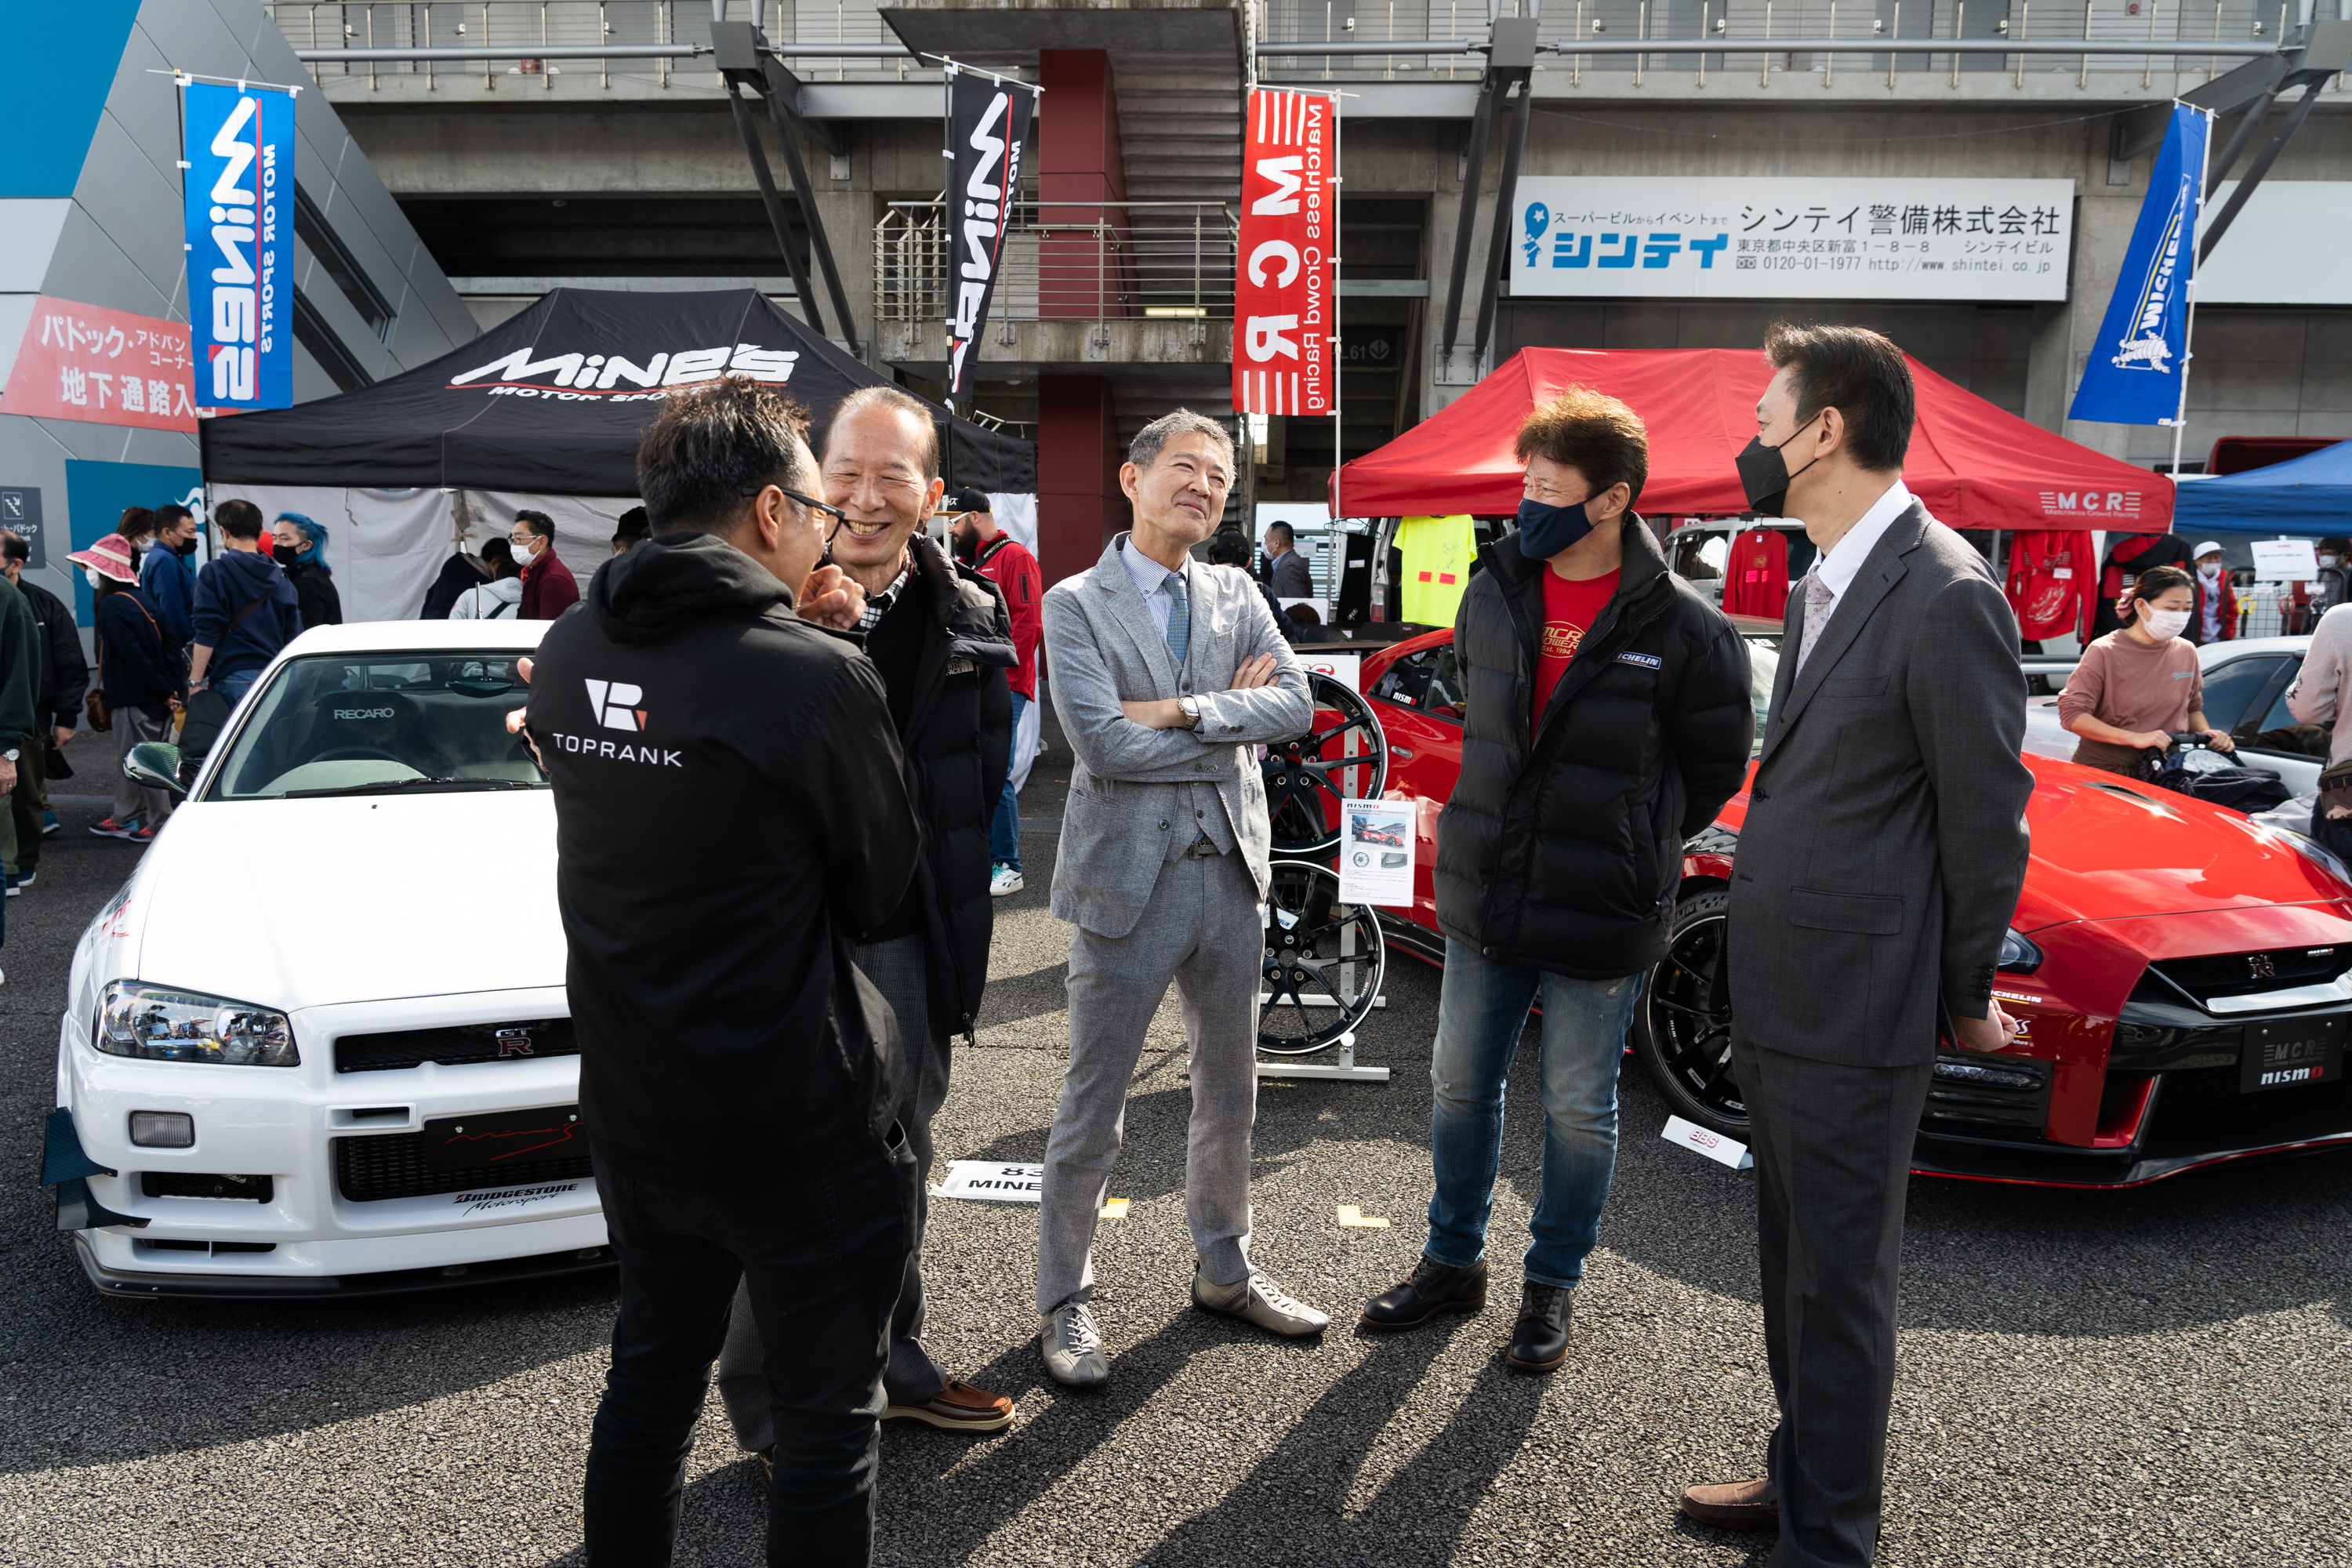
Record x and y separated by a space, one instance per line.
381 784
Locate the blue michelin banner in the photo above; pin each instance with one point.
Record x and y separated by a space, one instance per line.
240 199
2140 358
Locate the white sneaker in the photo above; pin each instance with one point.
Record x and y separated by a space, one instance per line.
1259 1300
1073 1346
1007 879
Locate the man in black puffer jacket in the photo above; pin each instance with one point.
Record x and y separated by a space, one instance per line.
1608 718
941 638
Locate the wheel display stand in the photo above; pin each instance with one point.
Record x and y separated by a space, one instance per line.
1322 957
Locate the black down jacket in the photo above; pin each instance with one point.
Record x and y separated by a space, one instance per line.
959 743
1561 851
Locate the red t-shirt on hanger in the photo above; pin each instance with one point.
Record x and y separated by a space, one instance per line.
1756 574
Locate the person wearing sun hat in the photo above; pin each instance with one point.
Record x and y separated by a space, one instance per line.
136 675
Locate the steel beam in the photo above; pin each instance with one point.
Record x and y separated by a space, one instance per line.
1505 202
1482 124
2262 165
774 204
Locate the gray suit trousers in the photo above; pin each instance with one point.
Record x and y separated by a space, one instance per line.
1832 1147
1200 929
896 968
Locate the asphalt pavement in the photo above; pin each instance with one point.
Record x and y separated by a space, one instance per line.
2159 1377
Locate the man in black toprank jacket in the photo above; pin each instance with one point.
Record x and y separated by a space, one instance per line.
941 637
1609 718
729 809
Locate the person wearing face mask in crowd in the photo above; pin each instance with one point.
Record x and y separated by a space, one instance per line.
1610 718
137 528
165 577
2136 688
499 599
299 548
244 610
547 587
2333 586
2215 618
137 682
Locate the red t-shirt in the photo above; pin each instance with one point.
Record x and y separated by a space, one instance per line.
1569 610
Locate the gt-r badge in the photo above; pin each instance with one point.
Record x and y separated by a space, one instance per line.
2259 965
513 1043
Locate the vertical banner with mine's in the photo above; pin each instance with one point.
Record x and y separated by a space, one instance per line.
988 126
1283 284
239 185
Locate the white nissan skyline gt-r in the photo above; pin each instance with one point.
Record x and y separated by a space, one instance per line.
320 1044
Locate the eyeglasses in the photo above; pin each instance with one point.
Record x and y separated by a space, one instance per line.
811 502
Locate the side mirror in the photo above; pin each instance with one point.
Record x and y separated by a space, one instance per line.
155 766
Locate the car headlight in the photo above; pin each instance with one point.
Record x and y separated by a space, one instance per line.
2311 849
2018 956
169 1025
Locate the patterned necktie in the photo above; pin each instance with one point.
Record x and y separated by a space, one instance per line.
1180 620
1818 603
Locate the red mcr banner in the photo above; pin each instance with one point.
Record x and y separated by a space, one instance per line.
1282 289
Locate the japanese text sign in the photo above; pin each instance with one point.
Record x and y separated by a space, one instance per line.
1283 287
101 367
1877 238
239 186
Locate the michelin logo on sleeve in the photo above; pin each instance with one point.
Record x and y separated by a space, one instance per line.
613 704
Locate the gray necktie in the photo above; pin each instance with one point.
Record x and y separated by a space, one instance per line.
1818 603
1180 620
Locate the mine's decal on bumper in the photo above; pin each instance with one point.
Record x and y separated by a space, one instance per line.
510 1197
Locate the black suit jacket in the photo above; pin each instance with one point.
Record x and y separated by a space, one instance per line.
1885 840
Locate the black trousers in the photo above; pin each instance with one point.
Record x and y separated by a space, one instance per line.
822 1262
1832 1147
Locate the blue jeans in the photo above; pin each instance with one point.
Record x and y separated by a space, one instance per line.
1481 1013
1004 834
2334 837
234 687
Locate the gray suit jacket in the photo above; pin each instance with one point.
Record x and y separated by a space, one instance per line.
1885 839
1103 649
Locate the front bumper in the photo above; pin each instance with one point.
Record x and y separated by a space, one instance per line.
328 1147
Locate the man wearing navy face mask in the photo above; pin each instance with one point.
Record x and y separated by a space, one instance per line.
1608 718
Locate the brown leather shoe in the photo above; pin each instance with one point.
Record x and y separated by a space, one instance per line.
767 1458
958 1408
1738 1505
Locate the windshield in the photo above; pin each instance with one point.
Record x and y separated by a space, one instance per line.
1763 666
339 725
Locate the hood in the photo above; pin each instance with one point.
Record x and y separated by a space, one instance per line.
645 594
251 573
300 903
2106 848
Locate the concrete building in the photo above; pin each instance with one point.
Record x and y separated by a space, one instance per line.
91 248
537 166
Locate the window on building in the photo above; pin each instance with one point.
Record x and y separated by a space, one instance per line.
336 260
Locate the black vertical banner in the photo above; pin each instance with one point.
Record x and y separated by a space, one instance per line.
988 124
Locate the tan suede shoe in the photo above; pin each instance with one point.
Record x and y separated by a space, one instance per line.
1738 1505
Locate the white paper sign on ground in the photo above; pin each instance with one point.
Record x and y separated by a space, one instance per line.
2285 560
1344 667
1714 1146
1376 852
990 1181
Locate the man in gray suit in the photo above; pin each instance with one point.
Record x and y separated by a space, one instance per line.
1166 672
1875 877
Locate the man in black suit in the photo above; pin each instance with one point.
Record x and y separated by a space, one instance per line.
1876 874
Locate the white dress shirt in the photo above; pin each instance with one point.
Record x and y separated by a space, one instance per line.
1842 562
1151 581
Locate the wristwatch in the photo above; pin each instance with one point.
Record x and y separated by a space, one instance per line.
1190 709
11 753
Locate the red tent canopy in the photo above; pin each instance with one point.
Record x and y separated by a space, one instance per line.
1971 464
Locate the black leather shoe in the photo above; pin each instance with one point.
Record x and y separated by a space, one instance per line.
1434 1287
1539 1339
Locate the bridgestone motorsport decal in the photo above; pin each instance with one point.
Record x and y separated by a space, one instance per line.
988 122
510 1197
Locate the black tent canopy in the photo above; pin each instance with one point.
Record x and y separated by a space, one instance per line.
554 400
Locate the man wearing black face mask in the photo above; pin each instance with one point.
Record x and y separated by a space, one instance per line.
1608 719
1878 868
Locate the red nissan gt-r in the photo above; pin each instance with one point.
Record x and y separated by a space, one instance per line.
2182 974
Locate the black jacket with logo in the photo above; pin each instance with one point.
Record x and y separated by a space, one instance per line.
1562 850
958 741
730 808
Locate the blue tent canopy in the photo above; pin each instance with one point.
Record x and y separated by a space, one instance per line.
2308 497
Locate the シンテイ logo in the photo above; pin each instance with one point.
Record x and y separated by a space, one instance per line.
614 704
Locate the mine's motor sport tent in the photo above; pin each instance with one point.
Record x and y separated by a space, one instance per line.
543 410
1973 465
2308 497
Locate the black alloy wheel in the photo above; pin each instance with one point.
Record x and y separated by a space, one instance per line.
1309 775
1682 1031
1324 961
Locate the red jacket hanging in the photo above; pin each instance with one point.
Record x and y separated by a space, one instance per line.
2050 584
1756 574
